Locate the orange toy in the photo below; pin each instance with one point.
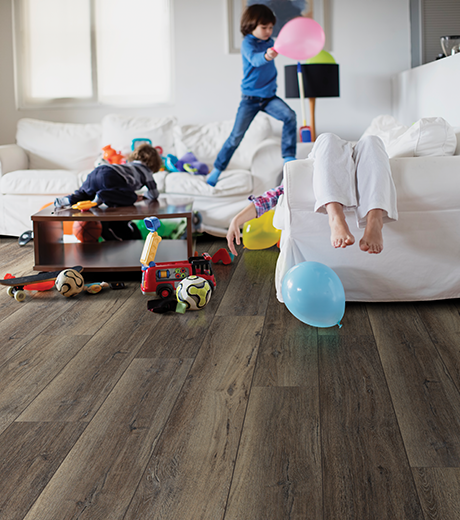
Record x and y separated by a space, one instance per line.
87 231
112 156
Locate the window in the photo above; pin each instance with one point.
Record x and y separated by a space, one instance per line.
71 52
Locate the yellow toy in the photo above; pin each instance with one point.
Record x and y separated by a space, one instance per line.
151 242
84 205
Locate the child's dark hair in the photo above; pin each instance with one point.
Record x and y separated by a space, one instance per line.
254 15
148 155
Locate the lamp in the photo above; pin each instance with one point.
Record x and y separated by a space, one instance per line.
319 80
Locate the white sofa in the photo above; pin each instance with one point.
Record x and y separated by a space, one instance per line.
421 256
51 159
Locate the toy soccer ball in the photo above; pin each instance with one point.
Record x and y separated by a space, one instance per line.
194 291
69 282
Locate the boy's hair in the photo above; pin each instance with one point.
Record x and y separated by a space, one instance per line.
254 15
148 155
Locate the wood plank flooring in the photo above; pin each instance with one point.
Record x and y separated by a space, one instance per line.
235 412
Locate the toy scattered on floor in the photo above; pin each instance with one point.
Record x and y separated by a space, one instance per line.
25 238
87 230
222 255
163 278
314 294
96 287
41 281
112 156
195 292
259 233
70 282
170 305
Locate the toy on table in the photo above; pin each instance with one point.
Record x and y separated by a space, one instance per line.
112 156
84 205
38 282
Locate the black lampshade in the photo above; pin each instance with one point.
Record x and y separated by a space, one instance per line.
319 80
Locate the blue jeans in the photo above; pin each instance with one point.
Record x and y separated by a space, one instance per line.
247 111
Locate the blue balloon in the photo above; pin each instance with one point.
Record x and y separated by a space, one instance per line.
314 294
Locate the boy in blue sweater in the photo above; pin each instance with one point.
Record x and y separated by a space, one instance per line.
258 88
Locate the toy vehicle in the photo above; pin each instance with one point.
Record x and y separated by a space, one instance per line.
164 277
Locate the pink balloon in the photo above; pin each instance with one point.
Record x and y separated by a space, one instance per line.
300 38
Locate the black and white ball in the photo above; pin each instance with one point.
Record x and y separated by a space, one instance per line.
195 292
69 282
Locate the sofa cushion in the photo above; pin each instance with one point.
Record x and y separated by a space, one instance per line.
32 182
66 146
206 140
231 182
430 136
119 131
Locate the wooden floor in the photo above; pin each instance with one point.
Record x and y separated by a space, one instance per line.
238 411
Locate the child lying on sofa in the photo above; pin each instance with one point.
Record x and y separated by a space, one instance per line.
116 184
345 177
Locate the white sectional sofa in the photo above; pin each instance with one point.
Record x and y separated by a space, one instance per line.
51 159
421 256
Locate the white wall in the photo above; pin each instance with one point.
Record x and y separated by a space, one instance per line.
370 41
428 91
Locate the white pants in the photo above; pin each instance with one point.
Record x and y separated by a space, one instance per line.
358 177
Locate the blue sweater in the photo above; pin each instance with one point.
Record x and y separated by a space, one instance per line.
259 75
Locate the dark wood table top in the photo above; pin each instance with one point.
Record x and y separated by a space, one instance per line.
171 207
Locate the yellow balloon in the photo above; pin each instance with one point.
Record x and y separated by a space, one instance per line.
259 233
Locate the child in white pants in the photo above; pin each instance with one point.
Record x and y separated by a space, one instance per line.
345 177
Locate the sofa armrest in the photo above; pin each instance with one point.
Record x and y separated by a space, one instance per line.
267 166
12 158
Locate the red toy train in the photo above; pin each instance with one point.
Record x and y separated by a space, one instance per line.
164 277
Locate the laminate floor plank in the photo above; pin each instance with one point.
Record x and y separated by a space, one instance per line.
426 400
366 474
29 319
249 289
81 387
288 352
30 370
278 469
99 476
442 321
91 311
439 491
189 474
30 454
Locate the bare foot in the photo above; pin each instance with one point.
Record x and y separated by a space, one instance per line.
372 241
340 232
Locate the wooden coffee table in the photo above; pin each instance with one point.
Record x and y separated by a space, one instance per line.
51 253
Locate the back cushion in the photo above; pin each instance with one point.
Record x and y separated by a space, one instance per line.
119 131
206 140
65 146
430 136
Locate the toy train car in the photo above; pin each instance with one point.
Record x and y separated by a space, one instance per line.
164 277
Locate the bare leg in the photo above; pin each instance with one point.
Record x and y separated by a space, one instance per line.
372 240
340 233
